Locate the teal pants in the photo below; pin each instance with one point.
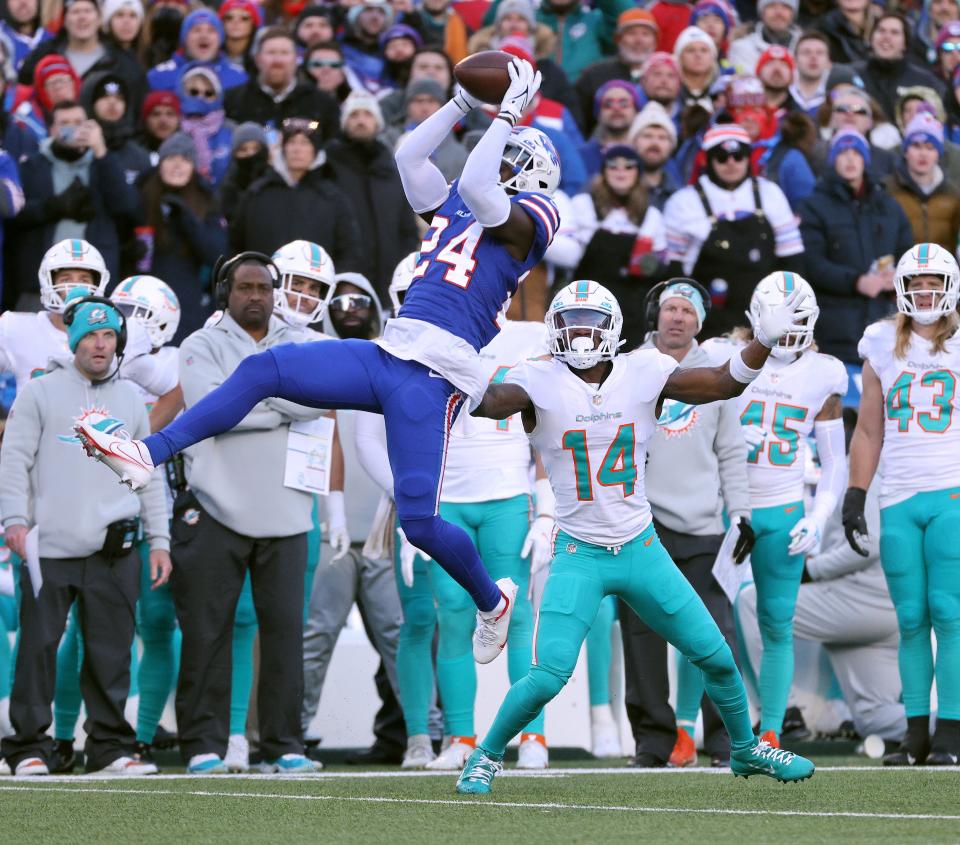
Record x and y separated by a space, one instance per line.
244 634
599 652
920 556
497 529
9 612
643 575
314 541
777 578
415 645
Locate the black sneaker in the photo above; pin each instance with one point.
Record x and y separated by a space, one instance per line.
794 727
915 747
163 740
945 750
63 758
942 758
646 760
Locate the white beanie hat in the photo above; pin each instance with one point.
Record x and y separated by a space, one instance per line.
111 7
688 37
357 101
653 114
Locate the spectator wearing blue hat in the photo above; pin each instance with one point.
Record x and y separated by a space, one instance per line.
716 19
201 40
853 233
777 26
930 201
204 120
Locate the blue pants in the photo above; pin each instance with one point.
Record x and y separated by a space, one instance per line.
418 409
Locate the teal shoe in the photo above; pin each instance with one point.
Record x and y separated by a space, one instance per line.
206 764
764 759
291 764
478 772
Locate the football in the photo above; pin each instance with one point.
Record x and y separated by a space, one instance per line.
485 75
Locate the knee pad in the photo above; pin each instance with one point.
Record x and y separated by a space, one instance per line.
913 618
419 616
945 612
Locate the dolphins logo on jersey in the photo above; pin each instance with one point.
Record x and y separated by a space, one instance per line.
677 418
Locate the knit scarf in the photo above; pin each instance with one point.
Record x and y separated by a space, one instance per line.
201 128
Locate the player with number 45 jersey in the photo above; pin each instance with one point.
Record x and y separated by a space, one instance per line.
590 414
909 424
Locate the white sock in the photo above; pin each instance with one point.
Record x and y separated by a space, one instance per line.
601 714
493 614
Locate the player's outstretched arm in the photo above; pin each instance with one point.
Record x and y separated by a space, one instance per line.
423 183
504 400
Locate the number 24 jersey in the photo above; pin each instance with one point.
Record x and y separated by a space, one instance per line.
593 441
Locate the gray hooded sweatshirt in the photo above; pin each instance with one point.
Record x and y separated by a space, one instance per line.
697 462
238 476
46 478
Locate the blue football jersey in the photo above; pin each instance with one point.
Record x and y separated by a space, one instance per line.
465 276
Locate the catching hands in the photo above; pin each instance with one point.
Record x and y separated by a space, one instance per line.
408 556
524 84
805 537
745 541
537 545
775 321
854 519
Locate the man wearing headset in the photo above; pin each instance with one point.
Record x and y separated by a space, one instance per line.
87 545
238 515
696 472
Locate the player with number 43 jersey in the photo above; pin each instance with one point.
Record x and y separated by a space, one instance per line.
590 414
909 424
797 394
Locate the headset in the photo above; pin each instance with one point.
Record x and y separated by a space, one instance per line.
70 312
225 267
651 302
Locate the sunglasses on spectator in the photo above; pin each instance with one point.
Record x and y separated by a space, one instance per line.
723 156
860 111
950 46
616 103
315 63
202 93
350 302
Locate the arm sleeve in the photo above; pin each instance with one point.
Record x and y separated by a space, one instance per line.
833 463
423 183
370 439
786 232
480 184
21 441
731 452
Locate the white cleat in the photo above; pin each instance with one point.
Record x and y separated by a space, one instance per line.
131 766
127 458
532 753
31 767
604 733
490 635
4 768
237 758
452 758
419 752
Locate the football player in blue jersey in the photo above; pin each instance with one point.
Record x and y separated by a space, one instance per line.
487 230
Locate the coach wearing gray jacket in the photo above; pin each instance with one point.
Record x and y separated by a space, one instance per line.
696 471
87 526
239 516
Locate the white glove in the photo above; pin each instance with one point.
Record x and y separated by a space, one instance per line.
774 321
465 101
537 546
805 537
524 84
754 435
337 535
408 554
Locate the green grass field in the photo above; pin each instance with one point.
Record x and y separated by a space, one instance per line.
847 801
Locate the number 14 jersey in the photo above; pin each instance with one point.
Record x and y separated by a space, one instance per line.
593 441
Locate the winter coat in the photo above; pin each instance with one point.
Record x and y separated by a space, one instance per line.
164 76
274 211
367 174
884 80
744 52
846 46
250 102
842 236
934 217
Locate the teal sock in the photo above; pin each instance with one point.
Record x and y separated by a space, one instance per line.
8 624
414 648
67 697
244 633
689 694
156 677
725 688
599 653
314 541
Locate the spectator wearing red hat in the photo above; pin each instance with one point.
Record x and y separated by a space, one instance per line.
775 70
54 81
776 27
159 119
615 106
240 19
660 81
636 38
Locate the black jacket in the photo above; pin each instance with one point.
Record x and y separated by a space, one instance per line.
846 46
883 78
842 237
251 102
367 175
273 212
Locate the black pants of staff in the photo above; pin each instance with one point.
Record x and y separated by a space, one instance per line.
106 592
209 565
645 654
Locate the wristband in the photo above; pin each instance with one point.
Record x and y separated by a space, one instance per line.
740 371
508 118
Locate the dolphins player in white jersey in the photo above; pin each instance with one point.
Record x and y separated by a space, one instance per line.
910 372
590 414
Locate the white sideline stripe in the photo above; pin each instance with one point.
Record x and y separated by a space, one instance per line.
605 808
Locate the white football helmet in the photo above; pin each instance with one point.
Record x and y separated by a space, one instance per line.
773 289
534 161
70 254
151 302
584 306
308 260
402 279
927 260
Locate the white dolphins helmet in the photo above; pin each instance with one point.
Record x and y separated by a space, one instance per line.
70 254
584 305
303 259
927 260
402 279
152 303
534 161
772 290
